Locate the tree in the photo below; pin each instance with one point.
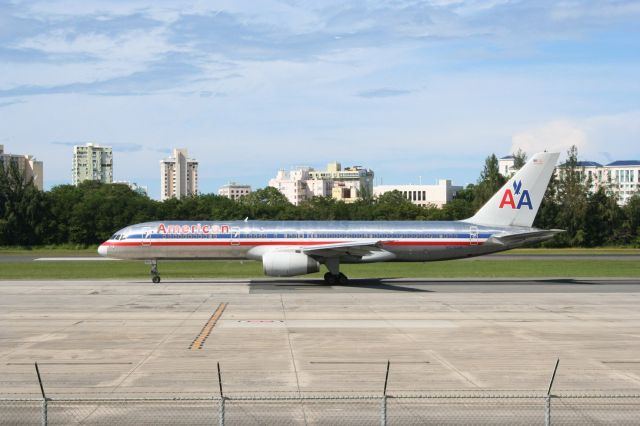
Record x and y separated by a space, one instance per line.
268 203
547 217
519 159
603 217
489 183
629 232
394 205
23 208
320 208
572 199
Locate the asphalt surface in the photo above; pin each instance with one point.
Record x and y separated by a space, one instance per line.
101 339
524 285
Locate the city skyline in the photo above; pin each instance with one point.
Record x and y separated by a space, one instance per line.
378 182
408 89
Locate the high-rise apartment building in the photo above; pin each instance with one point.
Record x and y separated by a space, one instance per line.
92 162
27 165
179 175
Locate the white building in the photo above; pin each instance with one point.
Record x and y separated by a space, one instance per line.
178 175
142 190
303 183
346 184
620 177
92 162
625 179
505 166
423 195
234 190
27 165
293 184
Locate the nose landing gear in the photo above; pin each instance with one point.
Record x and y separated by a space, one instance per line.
155 275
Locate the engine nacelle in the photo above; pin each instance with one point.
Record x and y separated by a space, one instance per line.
288 264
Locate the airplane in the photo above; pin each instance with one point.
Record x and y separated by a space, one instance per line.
292 248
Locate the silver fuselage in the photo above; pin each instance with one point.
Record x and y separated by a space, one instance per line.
417 241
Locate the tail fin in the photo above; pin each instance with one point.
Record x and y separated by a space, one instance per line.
517 202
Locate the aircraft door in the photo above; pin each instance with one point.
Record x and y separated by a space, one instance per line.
235 234
146 238
473 236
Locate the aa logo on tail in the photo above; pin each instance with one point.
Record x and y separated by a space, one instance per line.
508 198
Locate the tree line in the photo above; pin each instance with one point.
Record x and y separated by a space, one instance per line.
91 212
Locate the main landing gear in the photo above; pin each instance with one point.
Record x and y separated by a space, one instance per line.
155 275
332 279
334 276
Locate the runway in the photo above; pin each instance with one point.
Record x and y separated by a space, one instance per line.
504 286
108 338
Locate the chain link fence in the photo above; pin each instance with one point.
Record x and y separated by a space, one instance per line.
424 409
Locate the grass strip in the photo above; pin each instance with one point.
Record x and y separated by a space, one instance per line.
252 269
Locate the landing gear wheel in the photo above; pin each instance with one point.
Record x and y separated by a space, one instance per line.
155 275
330 279
342 279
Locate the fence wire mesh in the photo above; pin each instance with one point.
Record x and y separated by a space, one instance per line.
588 411
328 410
21 412
466 411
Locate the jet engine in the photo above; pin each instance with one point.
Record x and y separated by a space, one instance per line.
288 264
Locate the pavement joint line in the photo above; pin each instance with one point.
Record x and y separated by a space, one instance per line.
293 358
198 342
156 346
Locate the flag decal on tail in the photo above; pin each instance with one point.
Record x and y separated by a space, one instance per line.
509 200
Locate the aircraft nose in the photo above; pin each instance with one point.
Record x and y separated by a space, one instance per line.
102 250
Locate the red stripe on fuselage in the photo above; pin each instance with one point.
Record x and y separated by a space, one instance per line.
277 243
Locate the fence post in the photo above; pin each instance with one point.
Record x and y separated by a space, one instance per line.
45 418
221 412
547 410
383 414
547 401
221 405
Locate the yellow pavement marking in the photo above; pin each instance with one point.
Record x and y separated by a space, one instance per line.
198 343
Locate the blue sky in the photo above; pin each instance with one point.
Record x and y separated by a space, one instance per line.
407 88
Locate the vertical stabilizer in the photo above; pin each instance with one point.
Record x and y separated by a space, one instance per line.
518 201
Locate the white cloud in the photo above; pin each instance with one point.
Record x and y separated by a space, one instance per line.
598 138
554 136
93 57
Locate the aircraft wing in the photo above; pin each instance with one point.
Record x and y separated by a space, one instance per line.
524 237
358 249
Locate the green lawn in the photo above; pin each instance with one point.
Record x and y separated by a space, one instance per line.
597 250
251 269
